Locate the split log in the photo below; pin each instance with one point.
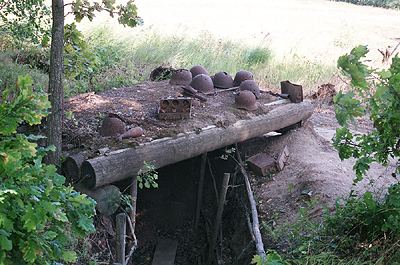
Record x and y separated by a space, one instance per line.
125 163
108 198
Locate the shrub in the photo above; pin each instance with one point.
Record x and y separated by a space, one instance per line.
38 214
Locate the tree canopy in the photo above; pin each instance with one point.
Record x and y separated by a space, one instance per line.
29 20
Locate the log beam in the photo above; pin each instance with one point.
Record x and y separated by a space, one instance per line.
125 163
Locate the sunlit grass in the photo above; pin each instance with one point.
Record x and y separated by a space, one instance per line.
144 50
126 57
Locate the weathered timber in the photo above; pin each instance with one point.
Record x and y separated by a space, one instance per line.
221 203
200 189
133 192
125 163
165 252
108 198
120 238
71 167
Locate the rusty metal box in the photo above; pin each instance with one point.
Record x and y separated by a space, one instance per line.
294 91
175 108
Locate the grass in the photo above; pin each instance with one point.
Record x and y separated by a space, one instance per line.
9 72
152 49
123 62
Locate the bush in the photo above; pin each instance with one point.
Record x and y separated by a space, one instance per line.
38 214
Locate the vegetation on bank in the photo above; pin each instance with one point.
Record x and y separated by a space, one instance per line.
394 4
365 226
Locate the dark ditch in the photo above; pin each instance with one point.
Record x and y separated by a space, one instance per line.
169 211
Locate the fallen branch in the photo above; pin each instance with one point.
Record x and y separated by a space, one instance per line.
213 178
135 243
254 214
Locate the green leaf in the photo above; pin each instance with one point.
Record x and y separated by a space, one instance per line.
81 199
30 252
258 260
86 224
5 222
385 74
380 91
69 256
24 81
50 235
369 201
30 219
5 243
61 216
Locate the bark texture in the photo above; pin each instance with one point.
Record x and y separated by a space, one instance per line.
54 120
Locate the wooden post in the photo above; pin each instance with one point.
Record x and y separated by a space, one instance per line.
125 163
121 232
221 202
133 192
200 189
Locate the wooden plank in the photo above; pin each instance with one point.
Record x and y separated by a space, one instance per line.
165 252
283 158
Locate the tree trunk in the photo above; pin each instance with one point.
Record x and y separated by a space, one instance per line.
125 163
54 120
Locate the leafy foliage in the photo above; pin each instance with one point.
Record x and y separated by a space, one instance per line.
147 177
366 216
77 55
377 98
127 15
26 20
29 20
272 258
376 95
38 214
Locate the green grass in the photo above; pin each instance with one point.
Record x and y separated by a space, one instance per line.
126 59
144 50
9 72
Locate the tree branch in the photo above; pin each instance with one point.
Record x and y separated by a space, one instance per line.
256 225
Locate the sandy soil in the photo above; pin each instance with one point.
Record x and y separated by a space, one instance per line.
315 171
